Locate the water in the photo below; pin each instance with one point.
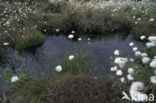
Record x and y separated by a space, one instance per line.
55 47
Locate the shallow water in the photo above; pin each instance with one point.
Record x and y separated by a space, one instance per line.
55 47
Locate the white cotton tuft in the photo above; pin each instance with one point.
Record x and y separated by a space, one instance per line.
130 77
71 36
153 63
150 44
115 68
57 30
130 70
131 60
137 86
14 79
145 60
5 43
151 19
71 57
117 52
152 39
142 37
137 53
122 79
135 49
79 39
58 68
119 72
153 79
121 61
144 54
131 44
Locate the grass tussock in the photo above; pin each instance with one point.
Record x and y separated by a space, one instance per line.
81 64
34 39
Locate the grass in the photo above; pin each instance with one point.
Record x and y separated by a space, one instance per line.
34 39
30 90
81 64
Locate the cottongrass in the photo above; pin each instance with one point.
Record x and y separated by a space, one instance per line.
71 57
131 44
5 43
137 53
58 68
71 36
153 79
153 63
122 79
115 68
130 70
131 60
57 30
79 39
135 49
130 77
14 79
121 61
145 60
119 73
117 52
144 54
142 37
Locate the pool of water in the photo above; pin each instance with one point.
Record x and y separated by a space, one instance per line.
47 55
55 47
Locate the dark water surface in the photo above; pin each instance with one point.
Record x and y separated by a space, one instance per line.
55 47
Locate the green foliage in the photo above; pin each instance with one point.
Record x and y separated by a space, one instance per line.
6 74
81 64
31 89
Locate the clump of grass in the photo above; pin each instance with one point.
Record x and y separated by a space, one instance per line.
32 39
81 64
30 90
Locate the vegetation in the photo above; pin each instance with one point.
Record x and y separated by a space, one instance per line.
26 23
81 64
84 16
70 86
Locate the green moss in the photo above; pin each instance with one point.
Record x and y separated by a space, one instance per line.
32 39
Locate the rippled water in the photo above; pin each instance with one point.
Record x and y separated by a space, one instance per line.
55 47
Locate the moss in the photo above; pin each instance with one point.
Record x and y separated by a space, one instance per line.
32 39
